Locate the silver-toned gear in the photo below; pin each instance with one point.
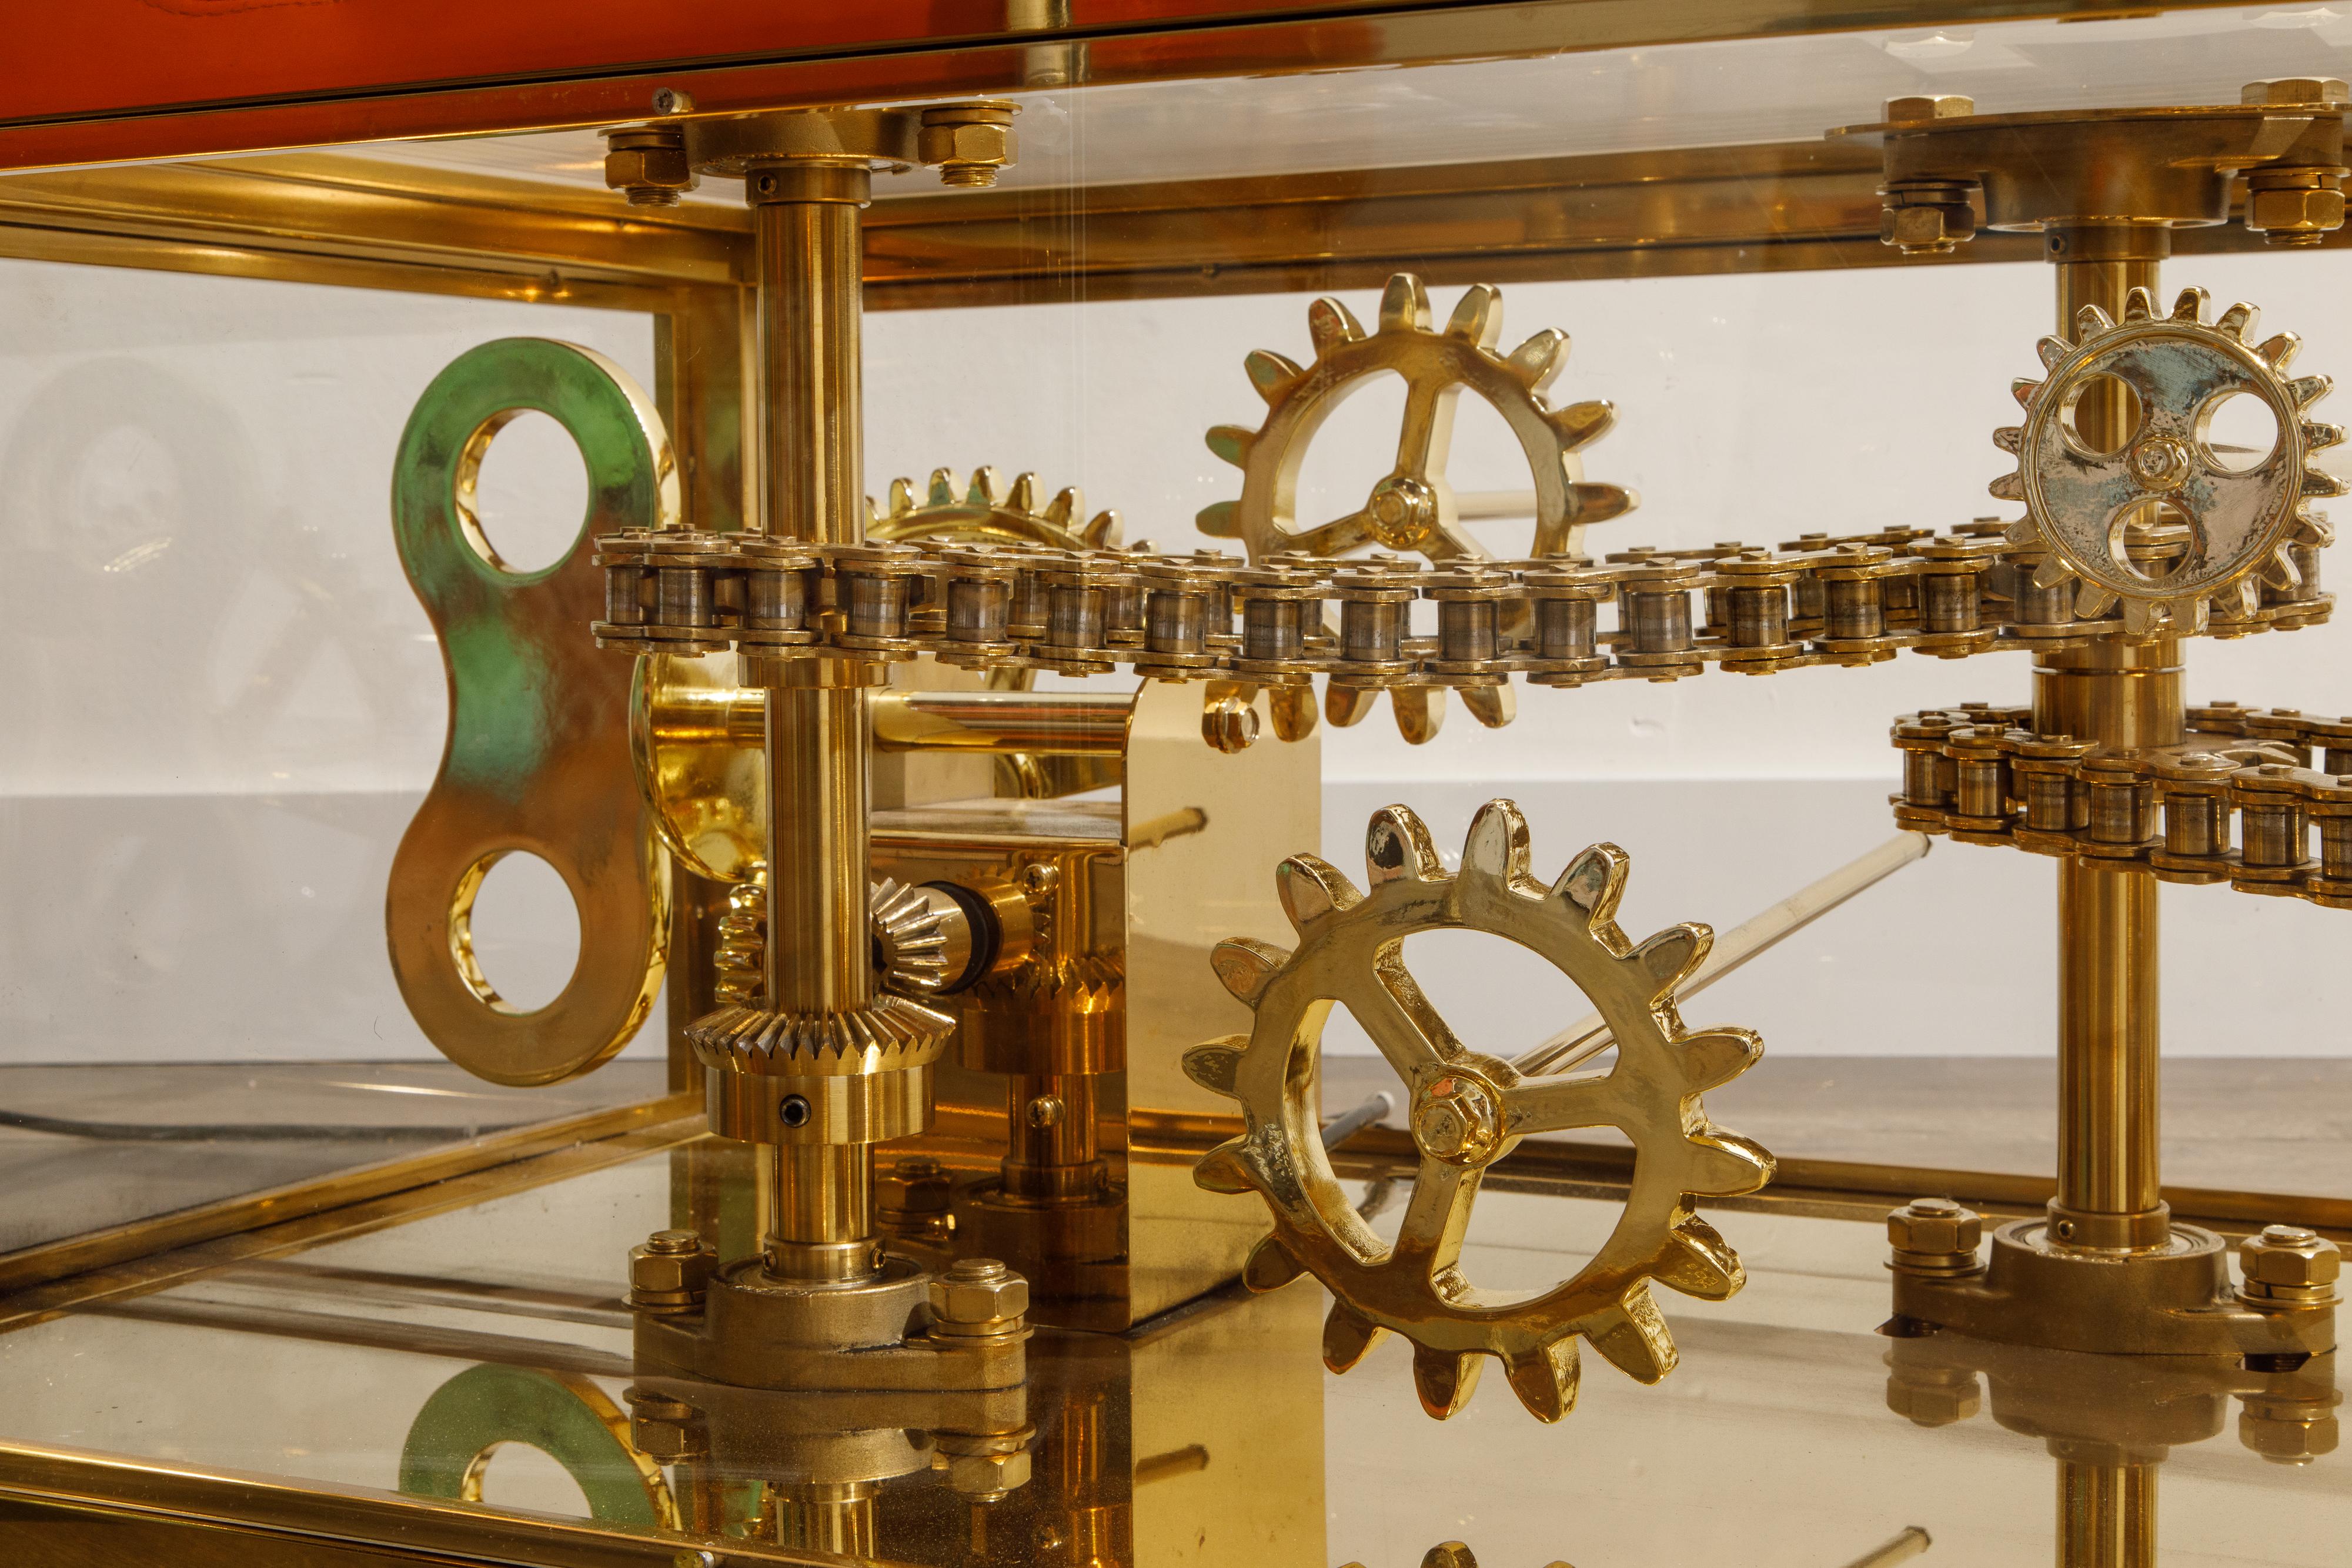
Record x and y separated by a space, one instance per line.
988 512
1467 1110
2225 531
1412 508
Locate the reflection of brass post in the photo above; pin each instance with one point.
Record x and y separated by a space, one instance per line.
808 253
827 1516
2121 695
1053 1149
2106 1515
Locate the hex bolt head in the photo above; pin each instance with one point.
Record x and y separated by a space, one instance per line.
914 1186
669 1271
2288 1265
968 142
1935 1398
1935 1226
978 1293
2294 90
648 165
1456 1119
1922 109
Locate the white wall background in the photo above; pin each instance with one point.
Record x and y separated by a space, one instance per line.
223 700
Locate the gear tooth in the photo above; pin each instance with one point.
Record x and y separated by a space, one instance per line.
2238 320
1220 520
1535 361
1397 847
2248 595
2190 305
2051 572
2319 482
1022 496
941 492
2052 350
1669 957
1478 316
1723 1165
1420 712
2023 389
1493 707
1067 503
873 514
2142 617
1544 1379
2314 528
988 489
2318 436
1592 884
2025 533
2280 571
1225 1169
1598 503
2091 601
2009 486
1445 1379
1497 845
1215 1065
1348 1336
1332 325
1271 373
1233 442
1246 966
2090 322
1714 1057
1311 890
1448 1554
1579 425
2009 438
2191 617
1270 1267
1405 304
1633 1337
2279 350
902 496
2139 304
1347 705
1697 1261
1104 532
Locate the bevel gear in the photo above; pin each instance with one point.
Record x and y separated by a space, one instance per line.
908 934
987 512
1468 1110
2083 507
1413 508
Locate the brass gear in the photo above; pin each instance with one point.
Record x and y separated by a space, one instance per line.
2239 525
1468 1110
909 937
989 512
1413 508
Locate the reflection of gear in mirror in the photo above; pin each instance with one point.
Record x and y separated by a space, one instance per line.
1468 1109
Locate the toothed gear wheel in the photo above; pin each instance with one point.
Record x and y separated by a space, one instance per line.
908 935
1468 1110
987 512
2240 524
1413 508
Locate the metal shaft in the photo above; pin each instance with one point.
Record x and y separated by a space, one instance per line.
2106 1515
2114 696
808 256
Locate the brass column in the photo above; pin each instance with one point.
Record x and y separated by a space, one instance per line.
2118 695
807 233
2106 1514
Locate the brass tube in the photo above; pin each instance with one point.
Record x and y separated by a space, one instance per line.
2106 1515
807 252
1042 724
1052 1151
820 1212
825 1516
2119 696
819 858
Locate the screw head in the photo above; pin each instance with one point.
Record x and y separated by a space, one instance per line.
978 1292
1456 1119
1045 1111
674 1242
1923 108
2291 1256
671 101
1935 1225
2294 90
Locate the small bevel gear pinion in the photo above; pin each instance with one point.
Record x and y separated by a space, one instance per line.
2088 503
907 932
987 512
1412 507
1467 1110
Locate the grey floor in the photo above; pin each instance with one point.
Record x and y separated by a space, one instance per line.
85 1148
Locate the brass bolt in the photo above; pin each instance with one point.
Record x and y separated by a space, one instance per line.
647 163
1925 108
2289 1427
2287 1267
669 1272
977 1297
1045 1111
1934 1236
983 1466
2294 91
968 141
2293 207
663 1429
1934 1397
1456 1119
1229 724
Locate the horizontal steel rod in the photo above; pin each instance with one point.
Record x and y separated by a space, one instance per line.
1589 1036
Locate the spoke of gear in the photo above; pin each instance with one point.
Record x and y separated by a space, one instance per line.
2210 535
987 512
1468 1110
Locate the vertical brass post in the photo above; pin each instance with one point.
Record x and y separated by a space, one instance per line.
808 256
835 1517
2123 695
2106 1514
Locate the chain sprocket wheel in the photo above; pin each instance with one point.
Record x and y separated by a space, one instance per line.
2085 507
1412 507
989 512
1467 1110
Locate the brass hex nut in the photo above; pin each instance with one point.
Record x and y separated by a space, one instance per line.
913 1186
1918 109
1456 1119
2290 1263
977 1292
1934 1225
670 1272
1935 1399
664 1430
649 165
968 142
2287 1435
2294 90
987 1475
2311 210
